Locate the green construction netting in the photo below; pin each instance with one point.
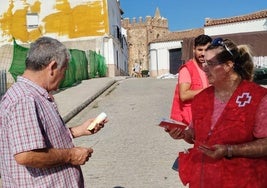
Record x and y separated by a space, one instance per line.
77 69
69 78
18 62
97 65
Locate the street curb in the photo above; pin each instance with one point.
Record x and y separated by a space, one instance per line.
87 101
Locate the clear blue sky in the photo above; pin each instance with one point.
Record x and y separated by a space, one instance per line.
190 14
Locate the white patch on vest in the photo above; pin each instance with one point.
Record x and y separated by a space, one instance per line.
244 99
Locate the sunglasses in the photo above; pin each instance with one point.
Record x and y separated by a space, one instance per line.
219 42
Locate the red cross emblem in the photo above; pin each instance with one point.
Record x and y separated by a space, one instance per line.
244 99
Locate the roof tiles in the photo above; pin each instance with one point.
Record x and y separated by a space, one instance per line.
241 18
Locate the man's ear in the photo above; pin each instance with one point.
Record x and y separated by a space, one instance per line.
194 49
52 66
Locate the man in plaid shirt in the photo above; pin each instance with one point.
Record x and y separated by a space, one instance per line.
36 147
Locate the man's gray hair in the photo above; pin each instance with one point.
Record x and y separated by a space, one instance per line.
43 51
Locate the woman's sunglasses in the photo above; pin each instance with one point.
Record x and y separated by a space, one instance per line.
219 42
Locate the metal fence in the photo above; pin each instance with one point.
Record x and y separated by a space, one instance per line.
3 83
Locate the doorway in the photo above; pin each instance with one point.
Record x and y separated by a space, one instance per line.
175 60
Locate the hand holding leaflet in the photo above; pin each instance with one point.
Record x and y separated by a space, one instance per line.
100 118
172 124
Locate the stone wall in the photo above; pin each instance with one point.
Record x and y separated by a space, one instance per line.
139 34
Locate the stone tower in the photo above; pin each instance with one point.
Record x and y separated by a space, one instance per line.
139 34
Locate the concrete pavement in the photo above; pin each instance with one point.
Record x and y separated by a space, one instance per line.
131 151
72 100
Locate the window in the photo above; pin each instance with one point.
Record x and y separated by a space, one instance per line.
32 20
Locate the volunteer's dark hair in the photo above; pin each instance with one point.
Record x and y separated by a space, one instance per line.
202 40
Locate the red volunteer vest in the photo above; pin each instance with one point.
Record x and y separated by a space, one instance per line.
235 126
181 111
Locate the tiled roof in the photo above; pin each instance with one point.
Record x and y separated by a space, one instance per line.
241 18
180 35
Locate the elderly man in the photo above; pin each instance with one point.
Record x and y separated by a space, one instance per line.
36 146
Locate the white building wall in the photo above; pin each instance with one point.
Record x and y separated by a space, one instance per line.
260 61
114 15
237 27
159 57
153 61
47 8
107 43
119 53
163 62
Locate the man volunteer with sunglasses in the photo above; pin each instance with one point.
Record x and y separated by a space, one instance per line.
191 80
229 125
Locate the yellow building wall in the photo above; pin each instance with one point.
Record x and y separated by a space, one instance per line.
83 20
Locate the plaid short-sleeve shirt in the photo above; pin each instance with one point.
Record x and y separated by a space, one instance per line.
29 120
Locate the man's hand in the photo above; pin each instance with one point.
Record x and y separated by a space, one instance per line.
79 155
82 130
